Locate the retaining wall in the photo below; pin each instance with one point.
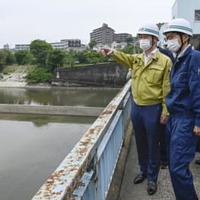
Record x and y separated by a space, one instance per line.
109 74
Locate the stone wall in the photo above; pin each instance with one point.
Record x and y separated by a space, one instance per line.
109 74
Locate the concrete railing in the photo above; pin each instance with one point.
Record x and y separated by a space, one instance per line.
87 171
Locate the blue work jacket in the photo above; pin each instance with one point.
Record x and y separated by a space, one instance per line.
167 53
184 96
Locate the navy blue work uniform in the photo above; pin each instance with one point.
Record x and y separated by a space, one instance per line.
183 103
167 53
146 123
163 137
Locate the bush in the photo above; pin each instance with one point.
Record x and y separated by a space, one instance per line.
39 75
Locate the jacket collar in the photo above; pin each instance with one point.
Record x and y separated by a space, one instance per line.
140 57
185 52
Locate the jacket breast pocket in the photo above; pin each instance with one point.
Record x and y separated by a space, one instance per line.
154 75
181 80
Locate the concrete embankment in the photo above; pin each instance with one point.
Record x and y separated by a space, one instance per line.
12 84
51 110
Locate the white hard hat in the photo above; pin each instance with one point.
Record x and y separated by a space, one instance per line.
179 25
149 29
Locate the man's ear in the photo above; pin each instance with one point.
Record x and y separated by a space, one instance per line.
155 40
185 38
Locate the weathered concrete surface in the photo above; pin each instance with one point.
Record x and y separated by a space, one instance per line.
12 84
51 110
123 188
130 191
106 74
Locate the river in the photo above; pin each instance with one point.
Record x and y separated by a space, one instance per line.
32 146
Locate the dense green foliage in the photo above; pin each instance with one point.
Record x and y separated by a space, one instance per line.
39 75
45 59
56 59
130 49
40 51
92 43
23 57
6 58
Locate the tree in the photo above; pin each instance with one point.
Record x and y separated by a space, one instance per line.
132 49
129 40
3 55
10 58
92 43
82 56
40 50
56 59
22 57
70 57
94 57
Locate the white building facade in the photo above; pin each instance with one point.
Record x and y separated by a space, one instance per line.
65 44
190 10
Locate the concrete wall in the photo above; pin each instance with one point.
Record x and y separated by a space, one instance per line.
109 74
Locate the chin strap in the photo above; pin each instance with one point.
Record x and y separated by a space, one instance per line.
152 43
182 43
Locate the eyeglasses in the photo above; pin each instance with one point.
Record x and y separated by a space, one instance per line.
170 36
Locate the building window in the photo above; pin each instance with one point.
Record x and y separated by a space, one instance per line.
197 15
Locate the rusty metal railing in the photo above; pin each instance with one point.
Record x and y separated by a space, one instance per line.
86 172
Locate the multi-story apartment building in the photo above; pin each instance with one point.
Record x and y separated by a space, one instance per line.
106 35
103 35
72 42
19 47
64 44
121 37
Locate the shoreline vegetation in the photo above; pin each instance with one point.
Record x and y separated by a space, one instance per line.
15 76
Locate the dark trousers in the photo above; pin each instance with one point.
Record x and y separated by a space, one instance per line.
146 122
198 145
163 144
182 147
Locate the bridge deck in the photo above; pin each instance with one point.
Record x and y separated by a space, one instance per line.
130 191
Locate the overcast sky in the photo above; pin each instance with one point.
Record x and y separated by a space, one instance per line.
22 21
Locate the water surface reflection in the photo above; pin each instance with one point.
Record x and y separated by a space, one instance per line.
31 147
57 96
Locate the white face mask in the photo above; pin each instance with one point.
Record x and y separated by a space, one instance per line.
145 44
173 45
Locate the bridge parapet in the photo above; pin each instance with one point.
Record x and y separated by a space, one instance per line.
87 171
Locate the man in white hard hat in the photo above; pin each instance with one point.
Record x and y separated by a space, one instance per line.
150 85
183 103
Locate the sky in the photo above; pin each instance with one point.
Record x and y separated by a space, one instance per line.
22 21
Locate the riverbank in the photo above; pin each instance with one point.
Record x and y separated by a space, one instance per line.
18 80
15 79
12 84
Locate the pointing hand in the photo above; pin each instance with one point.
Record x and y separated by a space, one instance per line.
106 51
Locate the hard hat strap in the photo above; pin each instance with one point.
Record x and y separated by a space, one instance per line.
182 43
